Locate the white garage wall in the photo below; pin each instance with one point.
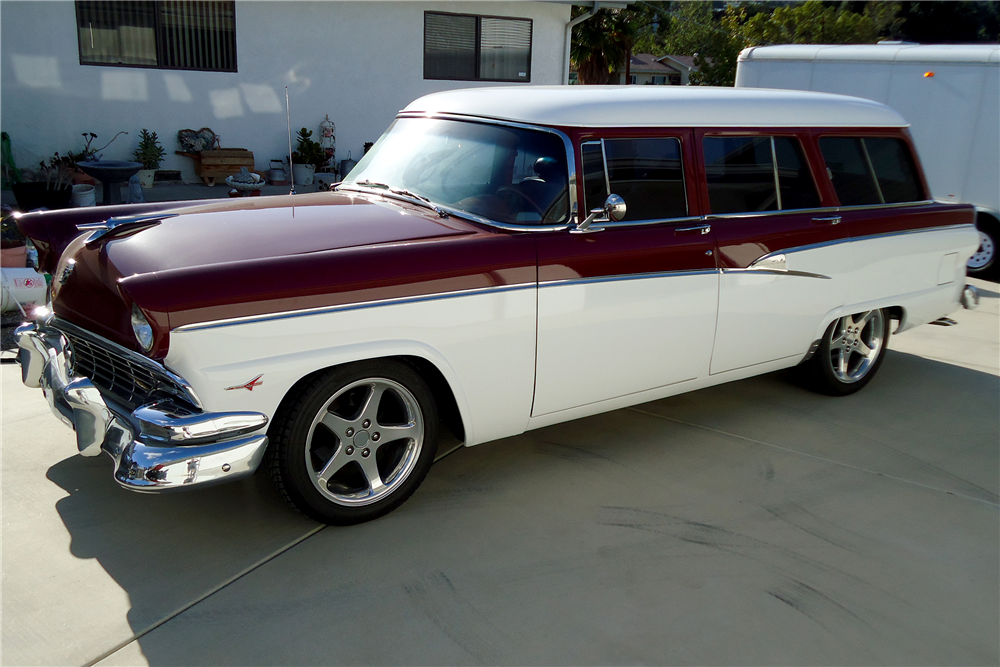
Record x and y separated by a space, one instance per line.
359 62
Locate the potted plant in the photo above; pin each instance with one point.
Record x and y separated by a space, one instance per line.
51 187
307 157
150 153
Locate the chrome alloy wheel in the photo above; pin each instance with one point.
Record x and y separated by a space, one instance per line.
364 442
984 254
856 342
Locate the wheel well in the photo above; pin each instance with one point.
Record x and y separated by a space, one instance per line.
988 218
443 395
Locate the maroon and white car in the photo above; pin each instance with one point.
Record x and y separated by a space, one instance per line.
503 259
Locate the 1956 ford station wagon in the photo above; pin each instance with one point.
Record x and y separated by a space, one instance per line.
502 259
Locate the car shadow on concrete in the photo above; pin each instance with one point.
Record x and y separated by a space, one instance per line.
923 423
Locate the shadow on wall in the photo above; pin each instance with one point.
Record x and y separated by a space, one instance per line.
166 551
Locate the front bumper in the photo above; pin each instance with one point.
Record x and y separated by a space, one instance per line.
159 446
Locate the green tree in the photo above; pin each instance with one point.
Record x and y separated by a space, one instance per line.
812 22
602 44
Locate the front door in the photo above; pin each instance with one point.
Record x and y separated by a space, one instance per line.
632 307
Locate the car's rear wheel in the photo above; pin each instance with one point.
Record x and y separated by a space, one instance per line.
353 445
851 352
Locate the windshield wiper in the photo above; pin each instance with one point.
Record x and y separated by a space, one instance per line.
403 192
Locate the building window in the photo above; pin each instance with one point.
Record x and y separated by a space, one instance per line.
464 47
161 34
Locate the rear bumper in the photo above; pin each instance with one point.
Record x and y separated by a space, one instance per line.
157 447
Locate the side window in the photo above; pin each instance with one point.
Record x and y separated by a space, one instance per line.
647 173
894 169
795 183
740 174
595 187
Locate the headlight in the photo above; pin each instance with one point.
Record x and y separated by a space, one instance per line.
143 332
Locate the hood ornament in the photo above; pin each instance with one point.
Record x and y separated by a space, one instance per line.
100 230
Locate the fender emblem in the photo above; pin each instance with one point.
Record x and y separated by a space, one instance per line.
256 382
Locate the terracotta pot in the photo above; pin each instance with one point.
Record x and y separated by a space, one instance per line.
14 257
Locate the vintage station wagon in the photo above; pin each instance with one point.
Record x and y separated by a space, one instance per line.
503 259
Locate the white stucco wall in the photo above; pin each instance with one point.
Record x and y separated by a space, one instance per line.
359 62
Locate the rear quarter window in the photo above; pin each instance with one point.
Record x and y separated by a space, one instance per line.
871 170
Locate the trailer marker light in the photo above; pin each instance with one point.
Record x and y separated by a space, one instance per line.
928 74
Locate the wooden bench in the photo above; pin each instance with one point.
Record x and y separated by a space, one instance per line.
219 162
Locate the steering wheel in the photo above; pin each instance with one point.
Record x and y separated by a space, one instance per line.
532 207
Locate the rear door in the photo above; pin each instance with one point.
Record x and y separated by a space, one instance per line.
780 246
631 307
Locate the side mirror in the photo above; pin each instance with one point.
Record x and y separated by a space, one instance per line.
614 210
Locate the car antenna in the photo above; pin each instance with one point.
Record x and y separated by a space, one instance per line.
288 120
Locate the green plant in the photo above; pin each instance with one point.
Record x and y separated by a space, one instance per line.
88 153
59 168
150 153
308 151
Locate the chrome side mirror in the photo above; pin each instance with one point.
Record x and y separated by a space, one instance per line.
614 210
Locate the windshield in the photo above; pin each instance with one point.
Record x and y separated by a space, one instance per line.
501 173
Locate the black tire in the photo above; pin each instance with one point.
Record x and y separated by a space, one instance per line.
341 459
983 263
841 365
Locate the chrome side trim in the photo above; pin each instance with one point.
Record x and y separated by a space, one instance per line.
778 272
133 357
623 277
658 221
904 232
822 209
253 319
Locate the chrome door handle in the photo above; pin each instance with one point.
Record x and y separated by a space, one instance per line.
833 220
698 229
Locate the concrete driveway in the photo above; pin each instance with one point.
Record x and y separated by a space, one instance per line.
752 523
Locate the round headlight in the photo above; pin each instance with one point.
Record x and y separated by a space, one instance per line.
143 332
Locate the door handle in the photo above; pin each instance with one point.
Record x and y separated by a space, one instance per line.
697 229
832 220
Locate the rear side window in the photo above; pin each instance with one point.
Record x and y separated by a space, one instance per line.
646 173
747 174
871 170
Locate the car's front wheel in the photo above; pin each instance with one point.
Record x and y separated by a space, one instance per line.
851 352
354 444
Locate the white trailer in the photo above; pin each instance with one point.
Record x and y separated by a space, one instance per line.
950 94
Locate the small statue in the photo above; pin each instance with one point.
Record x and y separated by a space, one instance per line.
328 141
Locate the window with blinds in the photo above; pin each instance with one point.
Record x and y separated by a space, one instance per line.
163 34
476 48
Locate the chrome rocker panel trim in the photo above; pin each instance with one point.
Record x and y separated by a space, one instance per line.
171 447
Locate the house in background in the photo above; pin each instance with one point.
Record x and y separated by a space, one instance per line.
645 68
167 65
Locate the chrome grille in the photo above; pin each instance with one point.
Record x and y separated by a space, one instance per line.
132 381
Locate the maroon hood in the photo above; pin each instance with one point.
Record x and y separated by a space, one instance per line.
261 255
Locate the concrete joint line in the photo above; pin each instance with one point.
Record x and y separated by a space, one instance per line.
203 597
818 458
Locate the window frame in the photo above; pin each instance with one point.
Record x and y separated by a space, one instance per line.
804 147
479 45
921 182
686 181
159 46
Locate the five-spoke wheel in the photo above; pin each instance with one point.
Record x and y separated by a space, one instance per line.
354 444
851 352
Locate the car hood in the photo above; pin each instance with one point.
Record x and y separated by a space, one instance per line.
268 227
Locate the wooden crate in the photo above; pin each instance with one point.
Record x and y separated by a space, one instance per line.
219 163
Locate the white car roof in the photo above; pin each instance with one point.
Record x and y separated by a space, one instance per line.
659 106
894 52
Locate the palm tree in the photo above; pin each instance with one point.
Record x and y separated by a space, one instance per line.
602 44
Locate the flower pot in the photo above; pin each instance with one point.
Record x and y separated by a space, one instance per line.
146 177
41 195
303 173
84 195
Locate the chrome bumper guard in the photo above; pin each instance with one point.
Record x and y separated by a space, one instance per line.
969 298
161 445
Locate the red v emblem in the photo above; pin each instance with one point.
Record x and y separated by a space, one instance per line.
256 382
